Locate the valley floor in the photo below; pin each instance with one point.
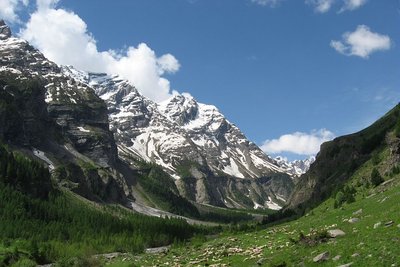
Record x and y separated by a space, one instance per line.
372 238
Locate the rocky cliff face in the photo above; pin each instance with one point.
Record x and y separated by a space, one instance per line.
46 111
5 31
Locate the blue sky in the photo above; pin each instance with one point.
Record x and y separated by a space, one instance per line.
282 69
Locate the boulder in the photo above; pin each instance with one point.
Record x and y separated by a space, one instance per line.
358 212
321 257
336 233
336 258
389 223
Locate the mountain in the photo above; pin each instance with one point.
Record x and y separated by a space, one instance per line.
295 168
340 159
176 130
100 137
209 157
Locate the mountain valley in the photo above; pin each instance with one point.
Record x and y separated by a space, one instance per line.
93 173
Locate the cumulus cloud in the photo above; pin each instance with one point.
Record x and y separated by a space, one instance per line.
321 6
352 4
298 143
9 8
63 37
271 3
362 42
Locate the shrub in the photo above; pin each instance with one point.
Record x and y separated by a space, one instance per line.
376 159
24 263
376 178
339 200
395 170
344 196
397 129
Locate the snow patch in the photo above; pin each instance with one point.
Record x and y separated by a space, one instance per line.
42 156
12 70
257 206
233 169
272 205
83 130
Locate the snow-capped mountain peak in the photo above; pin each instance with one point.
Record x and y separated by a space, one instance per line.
297 167
180 108
177 130
5 31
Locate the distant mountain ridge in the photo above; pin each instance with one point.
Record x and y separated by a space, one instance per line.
297 167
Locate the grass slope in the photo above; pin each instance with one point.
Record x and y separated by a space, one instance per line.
275 247
366 242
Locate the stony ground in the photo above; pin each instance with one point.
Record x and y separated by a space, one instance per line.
364 233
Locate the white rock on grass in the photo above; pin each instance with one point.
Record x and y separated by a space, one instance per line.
321 257
335 233
358 212
337 257
377 225
346 265
354 220
389 223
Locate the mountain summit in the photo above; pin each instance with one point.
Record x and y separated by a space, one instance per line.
5 31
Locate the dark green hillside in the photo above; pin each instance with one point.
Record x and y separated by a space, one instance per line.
340 158
27 176
44 224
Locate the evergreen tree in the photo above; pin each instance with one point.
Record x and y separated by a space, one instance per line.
376 178
397 129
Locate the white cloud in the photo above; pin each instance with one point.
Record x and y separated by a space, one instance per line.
63 37
352 4
9 8
362 42
321 6
271 3
46 4
298 142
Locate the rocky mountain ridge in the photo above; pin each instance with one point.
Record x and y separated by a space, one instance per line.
211 160
177 130
297 167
